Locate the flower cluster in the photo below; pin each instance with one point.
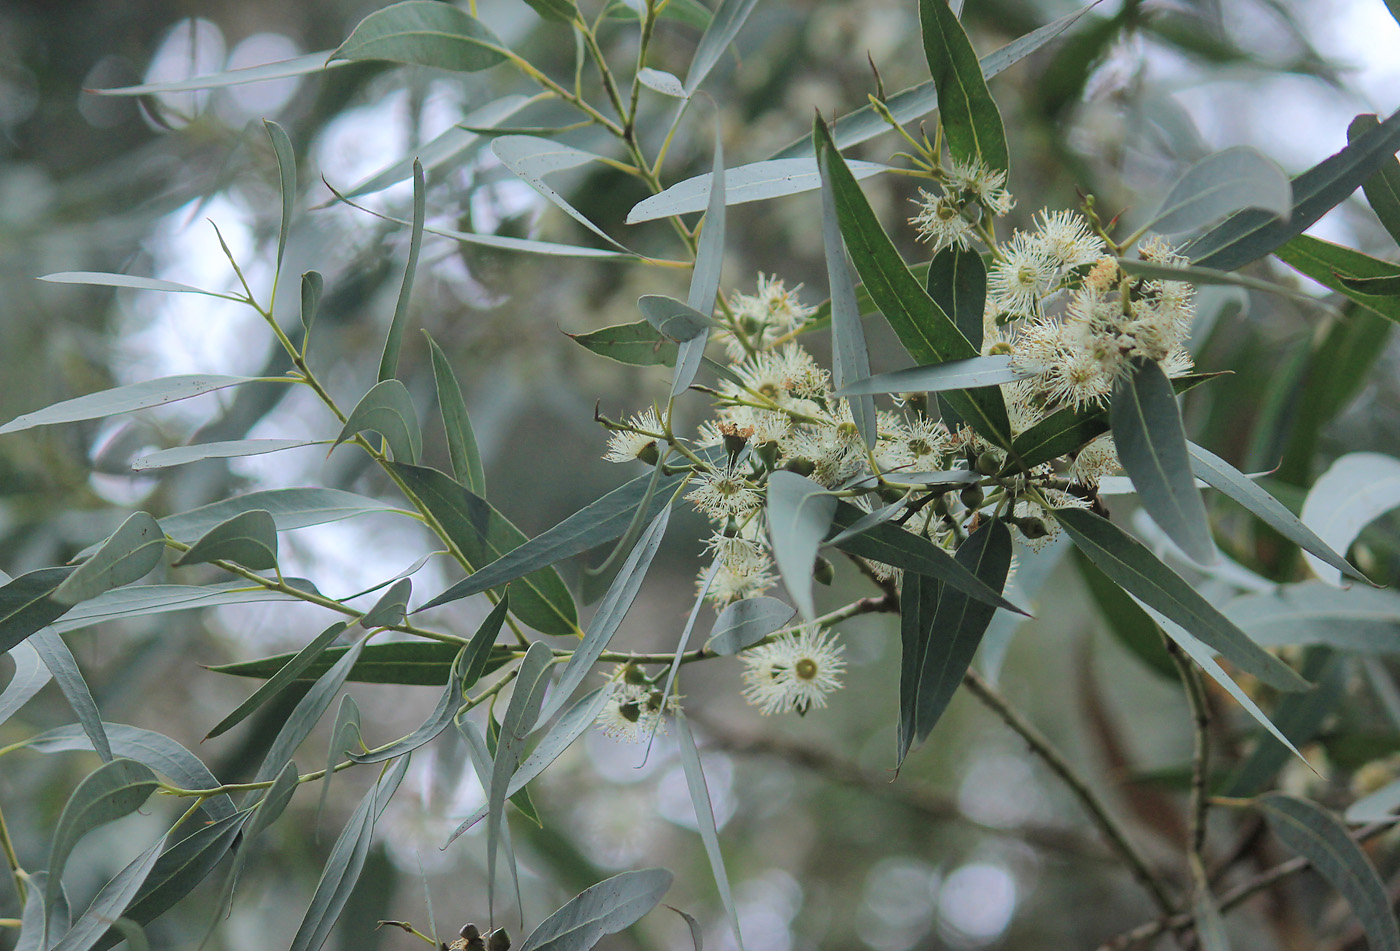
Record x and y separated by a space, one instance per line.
634 711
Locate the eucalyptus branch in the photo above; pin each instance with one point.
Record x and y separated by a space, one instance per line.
17 872
1200 799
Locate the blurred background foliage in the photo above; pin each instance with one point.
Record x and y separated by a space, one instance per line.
974 845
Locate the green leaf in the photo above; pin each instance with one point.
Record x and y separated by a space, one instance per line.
691 13
312 283
1209 277
346 862
1383 188
1299 716
181 455
1151 441
25 605
1129 624
1357 620
393 342
728 19
481 653
531 158
1220 184
1373 286
949 644
69 677
125 399
287 180
969 116
423 33
705 276
32 927
387 409
560 11
304 717
461 439
419 663
638 344
100 279
107 907
1328 263
605 908
1135 569
921 325
295 668
27 679
668 84
147 599
918 603
940 377
799 516
282 69
1356 489
531 681
521 800
484 535
744 623
1225 477
673 319
957 282
115 789
757 181
704 824
290 508
892 545
1066 430
917 101
608 618
345 738
437 721
1249 235
1313 833
126 556
391 606
248 539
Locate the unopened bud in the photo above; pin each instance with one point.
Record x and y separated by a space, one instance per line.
498 940
1033 527
988 463
972 496
998 349
823 572
633 674
803 467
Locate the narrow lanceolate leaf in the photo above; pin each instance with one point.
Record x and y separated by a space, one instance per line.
26 605
100 279
307 713
181 455
461 439
1299 716
113 790
1313 833
391 606
480 650
125 399
484 535
287 181
148 599
1129 624
423 33
312 284
1354 491
637 344
799 517
290 508
126 556
107 907
603 909
1330 264
28 678
248 539
958 626
728 19
745 623
969 116
1135 569
705 821
1151 443
1249 235
957 281
415 663
926 331
387 409
437 721
531 158
918 603
1374 286
850 358
891 545
1383 188
521 715
345 739
705 276
1221 475
393 342
347 860
1221 184
673 319
282 69
69 677
38 922
953 375
758 181
1354 619
611 610
285 676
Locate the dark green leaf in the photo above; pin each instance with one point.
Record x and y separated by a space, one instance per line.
107 907
481 653
29 677
312 283
295 668
1314 834
1222 183
461 439
125 399
603 909
970 118
1135 569
638 344
1151 441
388 410
287 181
304 717
126 556
64 667
1383 188
709 835
1329 263
918 603
745 623
423 33
560 11
420 663
957 282
483 535
180 455
391 606
25 605
248 539
393 343
1249 235
1373 286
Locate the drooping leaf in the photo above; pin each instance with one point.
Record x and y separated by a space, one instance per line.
125 399
423 33
99 279
757 181
248 539
345 738
393 343
481 750
437 721
388 410
1314 834
1383 188
531 158
1354 491
603 909
969 116
461 439
940 377
64 667
745 623
1210 277
560 11
705 276
181 455
29 677
307 713
868 521
483 535
346 862
296 667
1355 619
799 517
148 599
1220 184
521 715
391 606
1329 263
705 822
290 508
1151 442
1249 235
918 604
281 69
728 19
107 907
287 182
26 605
481 653
637 344
1135 569
127 555
418 663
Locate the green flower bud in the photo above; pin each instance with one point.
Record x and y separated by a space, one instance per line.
803 467
972 496
823 572
498 940
988 463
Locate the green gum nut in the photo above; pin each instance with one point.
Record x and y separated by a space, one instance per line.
823 572
972 496
498 940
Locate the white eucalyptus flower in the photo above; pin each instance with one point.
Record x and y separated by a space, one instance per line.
795 672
